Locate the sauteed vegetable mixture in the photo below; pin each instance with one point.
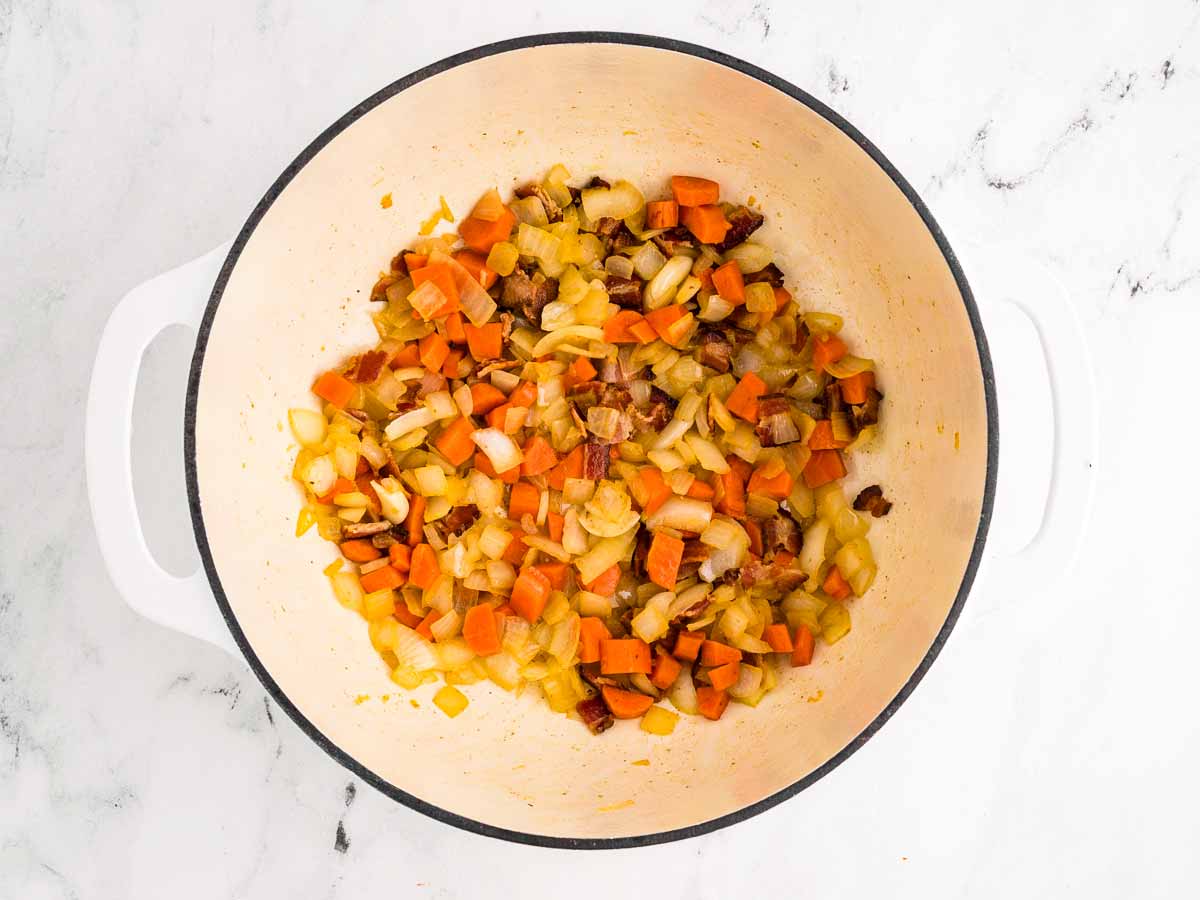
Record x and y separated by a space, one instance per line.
598 449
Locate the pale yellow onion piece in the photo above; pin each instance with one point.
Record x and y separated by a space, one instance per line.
760 297
578 490
347 590
714 308
308 426
501 575
848 366
820 323
572 332
661 288
750 679
865 436
812 553
667 460
431 481
674 430
707 453
618 202
682 513
650 624
682 693
409 421
345 460
835 623
659 720
607 553
574 539
500 449
413 651
553 549
502 258
320 476
351 498
750 257
593 604
441 404
463 400
750 644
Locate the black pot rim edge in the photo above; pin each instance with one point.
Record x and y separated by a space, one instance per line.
575 37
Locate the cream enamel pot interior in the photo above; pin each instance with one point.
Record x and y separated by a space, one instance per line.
291 300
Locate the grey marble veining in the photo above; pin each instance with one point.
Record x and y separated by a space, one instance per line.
135 762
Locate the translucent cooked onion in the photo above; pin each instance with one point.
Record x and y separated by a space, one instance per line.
308 426
708 455
648 261
446 625
568 333
750 679
603 422
682 693
500 449
565 639
607 553
414 652
320 476
674 430
848 366
714 308
661 288
620 266
393 502
835 623
420 417
750 644
760 297
823 323
682 513
427 300
617 202
750 257
808 385
650 624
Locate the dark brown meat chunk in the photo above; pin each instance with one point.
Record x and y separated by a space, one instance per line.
398 265
833 397
622 239
528 295
379 291
743 221
772 404
657 413
591 674
595 714
625 292
459 519
597 182
694 551
865 414
715 350
365 529
607 226
676 239
384 540
775 424
595 460
770 273
781 533
781 578
870 499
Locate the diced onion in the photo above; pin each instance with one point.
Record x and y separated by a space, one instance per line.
320 476
500 449
812 553
446 625
682 513
409 421
621 266
431 481
413 651
674 430
570 332
749 681
427 300
441 404
648 261
682 693
308 426
714 308
849 366
661 288
750 257
617 202
823 323
708 455
760 297
607 553
835 623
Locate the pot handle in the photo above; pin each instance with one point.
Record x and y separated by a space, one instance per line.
177 297
1011 278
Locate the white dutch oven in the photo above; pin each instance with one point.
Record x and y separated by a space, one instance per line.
289 299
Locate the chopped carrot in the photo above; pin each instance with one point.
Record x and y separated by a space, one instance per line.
688 644
624 656
333 388
479 630
835 585
707 223
662 214
555 572
476 266
529 594
856 388
726 676
592 631
413 261
743 399
616 329
661 320
570 467
481 233
455 442
754 530
359 551
484 397
423 629
827 350
666 670
455 326
625 704
662 562
382 579
644 332
727 280
804 642
523 500
400 557
484 342
441 275
701 490
605 584
732 501
498 418
434 351
415 521
539 456
525 394
424 567
714 653
363 483
657 491
690 190
822 437
578 372
777 488
514 553
554 524
777 636
711 702
784 557
823 467
341 486
406 357
408 618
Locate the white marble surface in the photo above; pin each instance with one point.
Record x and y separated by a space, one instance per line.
1052 761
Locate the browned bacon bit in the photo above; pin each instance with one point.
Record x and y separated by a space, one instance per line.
671 242
781 533
365 529
499 364
770 273
459 519
590 673
743 221
623 238
597 182
528 295
379 291
383 540
715 351
866 413
370 364
595 714
785 579
595 460
775 425
360 414
607 226
625 292
398 265
870 499
553 213
657 413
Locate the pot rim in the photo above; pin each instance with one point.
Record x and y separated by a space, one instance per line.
193 491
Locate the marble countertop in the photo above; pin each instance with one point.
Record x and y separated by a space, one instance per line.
1047 761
